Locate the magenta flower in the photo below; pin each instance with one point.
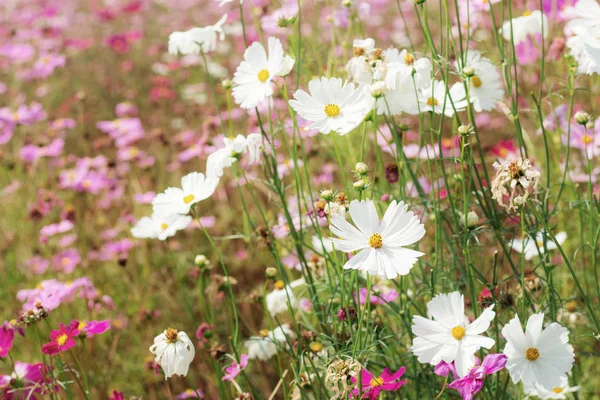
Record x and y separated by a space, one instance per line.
234 369
472 383
62 339
116 396
7 336
27 379
92 328
377 296
191 394
370 385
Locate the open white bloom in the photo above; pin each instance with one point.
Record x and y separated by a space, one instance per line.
558 392
583 33
195 187
380 245
331 106
434 98
485 90
537 357
529 24
449 336
282 296
534 247
360 67
232 151
197 40
252 78
264 345
160 227
174 352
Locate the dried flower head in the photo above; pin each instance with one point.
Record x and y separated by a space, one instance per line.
515 182
338 377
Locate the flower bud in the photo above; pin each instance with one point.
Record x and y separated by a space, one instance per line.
359 185
469 71
226 83
361 168
464 130
472 219
346 3
327 194
201 261
582 118
271 272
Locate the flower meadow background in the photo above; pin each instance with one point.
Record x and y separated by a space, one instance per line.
373 208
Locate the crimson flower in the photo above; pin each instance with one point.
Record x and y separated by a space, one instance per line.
372 385
62 339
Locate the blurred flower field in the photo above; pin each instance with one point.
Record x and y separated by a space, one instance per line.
299 199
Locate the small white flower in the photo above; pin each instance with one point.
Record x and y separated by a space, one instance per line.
558 392
331 106
529 24
195 187
537 357
286 66
434 98
279 299
261 347
232 151
252 79
174 352
535 247
283 335
449 336
380 245
197 39
160 227
583 33
485 84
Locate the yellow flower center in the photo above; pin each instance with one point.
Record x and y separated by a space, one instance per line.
316 347
458 332
263 333
409 59
82 324
164 226
188 199
279 285
476 81
377 381
171 335
62 339
263 75
65 261
332 110
532 354
586 139
376 241
526 13
557 390
432 101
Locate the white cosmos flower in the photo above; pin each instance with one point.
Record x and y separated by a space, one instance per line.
449 336
537 356
331 106
434 98
174 352
195 187
252 79
531 247
264 345
529 24
232 151
485 85
197 39
160 227
278 300
404 77
583 33
380 245
560 391
593 58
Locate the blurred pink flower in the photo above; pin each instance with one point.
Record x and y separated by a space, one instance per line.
234 369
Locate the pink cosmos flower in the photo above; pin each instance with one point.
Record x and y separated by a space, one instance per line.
66 260
190 394
91 328
61 339
55 229
7 336
377 296
29 378
116 396
234 369
121 42
45 66
472 383
370 385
